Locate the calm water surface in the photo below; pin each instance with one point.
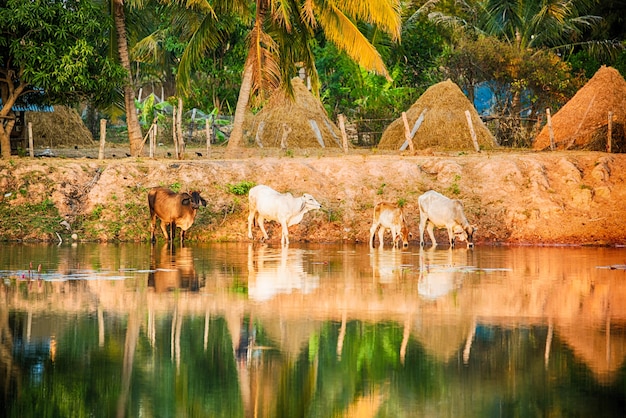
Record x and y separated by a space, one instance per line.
242 330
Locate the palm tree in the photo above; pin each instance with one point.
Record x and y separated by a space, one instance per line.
132 121
281 37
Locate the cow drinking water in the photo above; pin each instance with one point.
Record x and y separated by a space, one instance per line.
389 216
436 210
267 203
174 209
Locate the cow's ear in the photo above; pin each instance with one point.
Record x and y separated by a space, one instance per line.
186 201
203 202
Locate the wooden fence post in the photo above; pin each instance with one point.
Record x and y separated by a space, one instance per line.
407 132
468 116
550 130
609 135
31 149
103 136
209 133
179 126
344 136
174 131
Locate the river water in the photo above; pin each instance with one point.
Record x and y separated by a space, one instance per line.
243 330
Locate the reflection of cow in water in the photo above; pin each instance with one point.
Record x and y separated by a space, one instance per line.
386 265
438 275
172 269
272 271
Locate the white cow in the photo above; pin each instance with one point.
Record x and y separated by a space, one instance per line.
436 210
267 203
389 216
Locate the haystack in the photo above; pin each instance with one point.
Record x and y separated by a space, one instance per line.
62 127
298 122
583 122
445 125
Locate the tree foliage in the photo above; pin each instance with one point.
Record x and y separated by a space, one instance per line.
52 52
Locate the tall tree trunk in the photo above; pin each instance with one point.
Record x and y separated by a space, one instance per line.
7 116
236 137
132 121
5 142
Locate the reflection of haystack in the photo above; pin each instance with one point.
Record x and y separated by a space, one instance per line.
583 122
61 127
445 125
298 122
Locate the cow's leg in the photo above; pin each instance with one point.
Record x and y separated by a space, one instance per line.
260 221
152 227
381 237
284 239
451 236
423 220
251 216
395 235
373 234
164 229
430 228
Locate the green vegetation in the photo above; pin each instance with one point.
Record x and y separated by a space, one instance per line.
454 188
240 189
38 219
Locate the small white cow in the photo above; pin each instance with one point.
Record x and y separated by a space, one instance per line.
267 203
389 216
436 210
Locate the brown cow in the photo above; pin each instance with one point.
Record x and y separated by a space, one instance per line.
175 209
389 216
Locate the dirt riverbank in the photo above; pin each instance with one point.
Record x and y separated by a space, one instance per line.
569 197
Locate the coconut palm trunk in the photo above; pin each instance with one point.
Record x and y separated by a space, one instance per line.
132 121
236 136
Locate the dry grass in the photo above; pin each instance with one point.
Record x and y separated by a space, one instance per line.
63 127
583 122
294 115
445 125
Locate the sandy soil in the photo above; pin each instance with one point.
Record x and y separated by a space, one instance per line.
513 197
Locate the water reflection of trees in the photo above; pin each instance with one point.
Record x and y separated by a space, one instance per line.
332 347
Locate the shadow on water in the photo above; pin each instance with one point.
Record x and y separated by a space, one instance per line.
311 330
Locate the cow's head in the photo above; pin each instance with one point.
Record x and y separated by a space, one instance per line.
309 202
470 230
194 200
197 200
403 236
465 234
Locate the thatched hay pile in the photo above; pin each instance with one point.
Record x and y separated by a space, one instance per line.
62 127
583 122
445 125
298 122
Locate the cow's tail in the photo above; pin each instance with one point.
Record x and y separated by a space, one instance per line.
151 201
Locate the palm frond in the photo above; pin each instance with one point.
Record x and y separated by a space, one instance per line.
383 13
263 57
148 49
208 35
345 35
